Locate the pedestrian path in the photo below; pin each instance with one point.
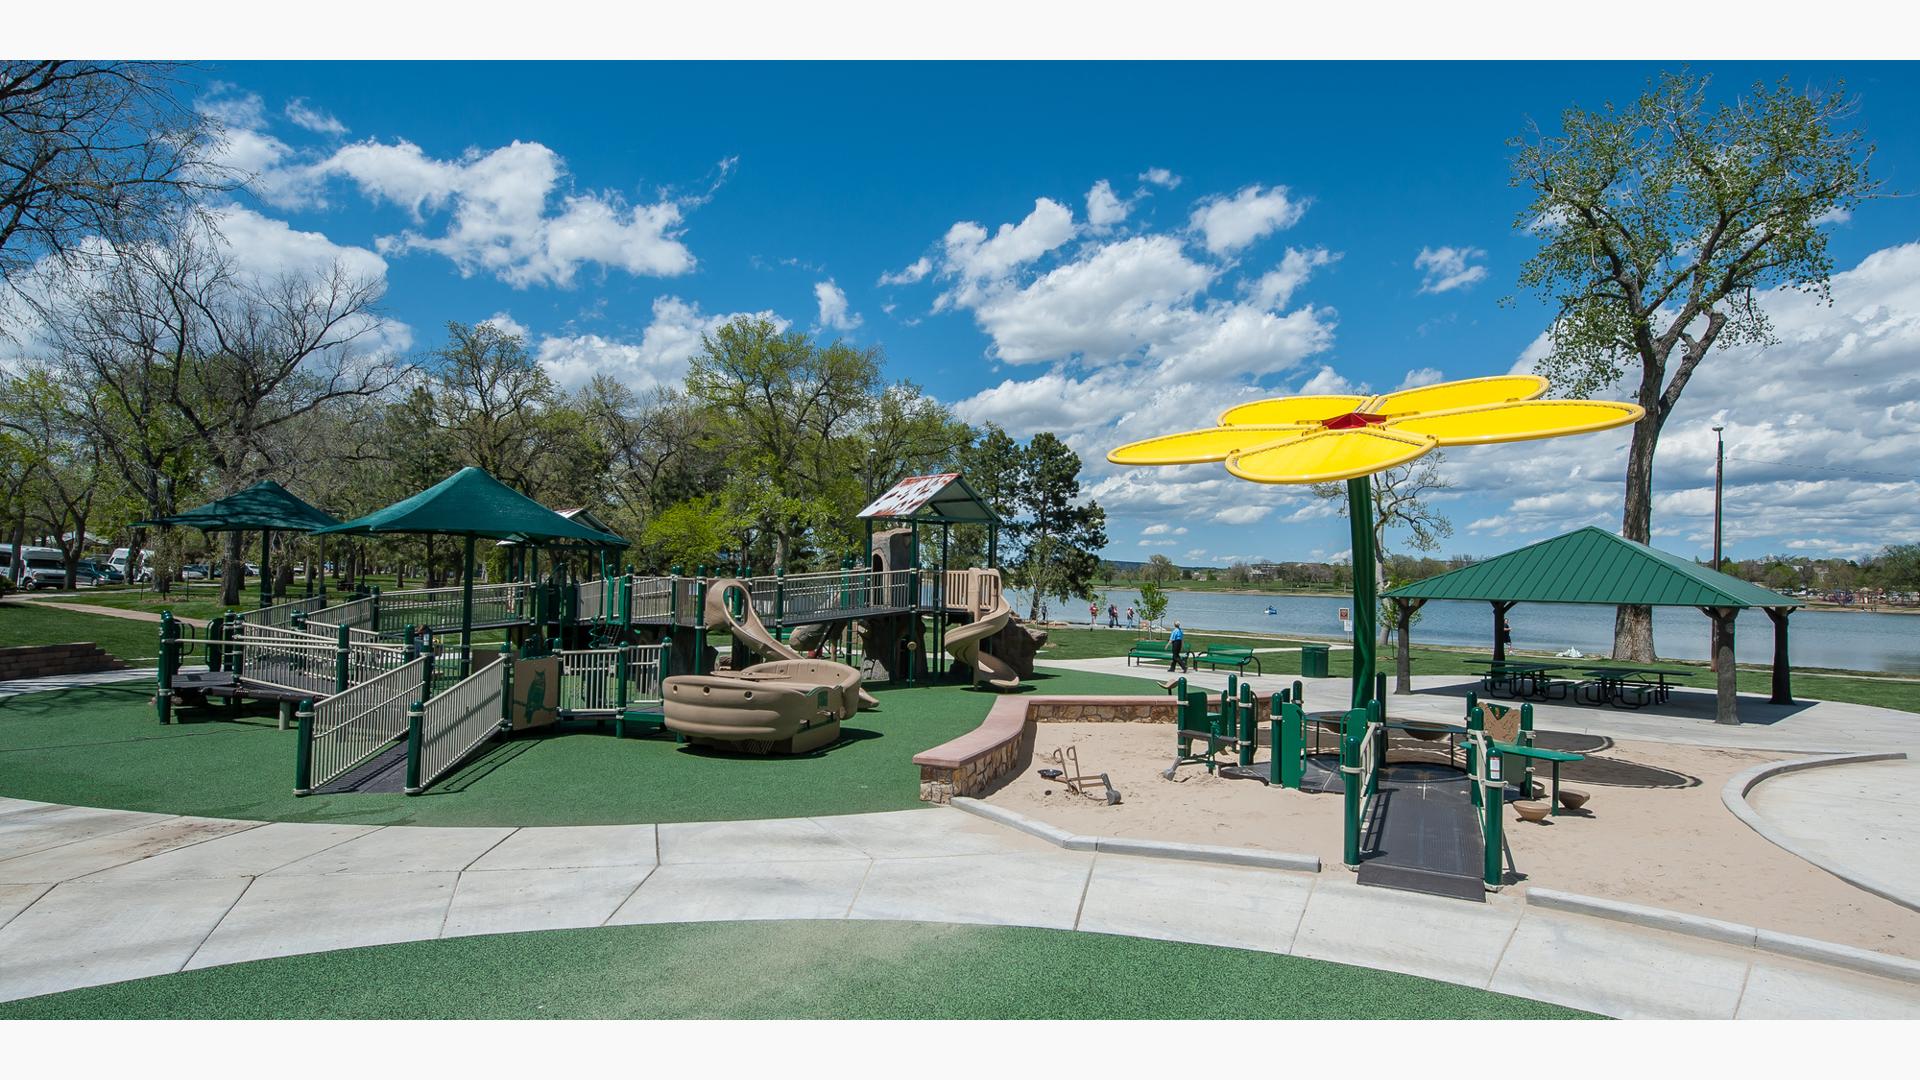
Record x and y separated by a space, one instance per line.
12 687
110 612
1859 820
90 896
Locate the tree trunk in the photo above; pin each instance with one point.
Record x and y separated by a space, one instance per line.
1633 623
236 569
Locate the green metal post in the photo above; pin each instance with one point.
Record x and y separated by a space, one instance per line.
673 617
1366 603
913 601
699 619
1476 721
216 643
1249 732
1291 745
303 746
414 738
779 598
1526 740
506 686
426 675
341 652
1351 734
1493 815
466 610
168 659
373 610
266 568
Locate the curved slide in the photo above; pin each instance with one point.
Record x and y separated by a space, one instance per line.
751 631
963 643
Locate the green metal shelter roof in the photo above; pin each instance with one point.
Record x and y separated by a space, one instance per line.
472 503
1593 566
265 505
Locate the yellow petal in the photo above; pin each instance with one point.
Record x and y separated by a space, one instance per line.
1460 394
1328 455
1517 421
1190 447
1306 410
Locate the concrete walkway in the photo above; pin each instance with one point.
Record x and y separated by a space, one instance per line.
1806 727
92 896
103 609
1859 820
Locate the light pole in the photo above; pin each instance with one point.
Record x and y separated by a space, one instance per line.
1719 475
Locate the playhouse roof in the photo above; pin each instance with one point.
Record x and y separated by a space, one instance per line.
943 499
472 503
265 505
1593 566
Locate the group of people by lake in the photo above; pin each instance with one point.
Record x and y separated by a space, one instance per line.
1113 616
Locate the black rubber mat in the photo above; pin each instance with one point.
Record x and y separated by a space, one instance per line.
1424 835
384 773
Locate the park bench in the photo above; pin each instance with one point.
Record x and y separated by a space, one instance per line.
1149 650
1236 657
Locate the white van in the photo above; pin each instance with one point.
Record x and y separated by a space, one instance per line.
118 560
44 567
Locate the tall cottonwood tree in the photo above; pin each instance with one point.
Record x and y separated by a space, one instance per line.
1659 225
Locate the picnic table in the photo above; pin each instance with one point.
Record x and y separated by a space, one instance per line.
1616 685
1556 757
1522 678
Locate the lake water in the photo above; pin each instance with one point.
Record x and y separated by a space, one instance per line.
1862 641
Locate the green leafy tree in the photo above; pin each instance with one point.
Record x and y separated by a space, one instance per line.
1153 603
1659 225
1057 536
1158 570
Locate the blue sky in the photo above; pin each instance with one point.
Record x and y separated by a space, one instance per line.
1148 243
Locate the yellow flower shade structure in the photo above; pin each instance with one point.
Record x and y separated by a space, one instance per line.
1321 437
1316 438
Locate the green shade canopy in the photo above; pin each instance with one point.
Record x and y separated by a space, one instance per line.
1593 566
472 503
265 505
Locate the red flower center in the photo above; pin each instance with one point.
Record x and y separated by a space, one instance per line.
1348 421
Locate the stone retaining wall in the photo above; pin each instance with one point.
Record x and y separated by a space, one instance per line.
976 762
39 661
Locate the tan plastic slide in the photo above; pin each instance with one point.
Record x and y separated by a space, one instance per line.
782 707
963 642
749 630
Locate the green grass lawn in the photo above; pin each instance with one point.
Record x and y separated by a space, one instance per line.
1085 644
31 624
100 746
800 970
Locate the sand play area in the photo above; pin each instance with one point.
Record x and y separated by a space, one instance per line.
1654 833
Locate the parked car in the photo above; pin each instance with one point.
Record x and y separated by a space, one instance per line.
42 567
195 572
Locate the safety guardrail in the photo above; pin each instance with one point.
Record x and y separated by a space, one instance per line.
342 731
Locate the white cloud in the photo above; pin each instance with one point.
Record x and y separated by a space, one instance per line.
1161 528
1276 286
833 306
1449 268
972 255
1104 208
1228 223
1158 543
318 121
1839 215
1329 381
659 358
1244 514
1159 177
916 271
507 212
1425 376
507 324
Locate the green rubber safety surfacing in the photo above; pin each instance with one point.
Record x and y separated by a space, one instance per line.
797 970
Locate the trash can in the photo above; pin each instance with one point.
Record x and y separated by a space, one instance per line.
1313 661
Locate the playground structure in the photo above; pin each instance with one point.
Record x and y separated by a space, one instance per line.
1324 438
383 702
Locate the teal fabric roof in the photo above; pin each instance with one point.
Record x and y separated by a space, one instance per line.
472 503
265 505
1593 566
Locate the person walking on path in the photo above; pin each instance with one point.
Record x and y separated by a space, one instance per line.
1130 619
1093 614
1113 617
1174 645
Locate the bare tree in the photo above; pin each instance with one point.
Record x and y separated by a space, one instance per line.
93 150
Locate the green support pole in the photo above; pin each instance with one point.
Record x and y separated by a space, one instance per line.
266 568
673 618
414 739
1492 816
1291 742
303 748
506 686
341 654
426 675
1351 733
1248 735
1365 601
168 659
1526 740
373 610
1476 721
699 619
913 601
779 598
466 610
216 643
